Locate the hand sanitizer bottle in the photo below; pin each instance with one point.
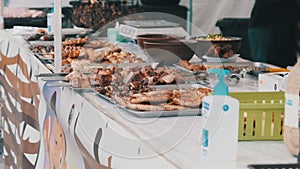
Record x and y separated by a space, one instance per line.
220 118
113 34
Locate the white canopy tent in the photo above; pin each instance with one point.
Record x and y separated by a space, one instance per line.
207 12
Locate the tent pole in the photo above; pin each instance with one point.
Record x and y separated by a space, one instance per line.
57 36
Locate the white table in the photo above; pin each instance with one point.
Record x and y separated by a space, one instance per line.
93 129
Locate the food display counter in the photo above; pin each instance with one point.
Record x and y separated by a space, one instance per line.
51 126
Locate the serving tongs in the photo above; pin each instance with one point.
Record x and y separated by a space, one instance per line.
203 77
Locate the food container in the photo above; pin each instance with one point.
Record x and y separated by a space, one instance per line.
155 38
261 115
224 48
170 52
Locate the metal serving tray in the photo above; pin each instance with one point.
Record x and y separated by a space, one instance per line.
166 113
178 86
152 114
120 65
41 42
233 64
105 97
43 56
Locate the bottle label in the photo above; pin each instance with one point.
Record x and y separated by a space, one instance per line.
49 22
204 141
292 110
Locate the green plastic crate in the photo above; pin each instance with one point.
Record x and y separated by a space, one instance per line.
261 115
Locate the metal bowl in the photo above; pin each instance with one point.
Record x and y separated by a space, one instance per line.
217 48
172 51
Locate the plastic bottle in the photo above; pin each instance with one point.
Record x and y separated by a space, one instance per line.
113 34
50 20
292 110
220 119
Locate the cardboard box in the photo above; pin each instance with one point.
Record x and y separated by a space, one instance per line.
271 81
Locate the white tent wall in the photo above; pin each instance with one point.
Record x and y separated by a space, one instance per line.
207 12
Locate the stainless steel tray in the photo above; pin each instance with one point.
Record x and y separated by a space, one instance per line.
170 113
120 65
233 64
57 78
40 42
51 74
105 97
43 56
151 114
178 86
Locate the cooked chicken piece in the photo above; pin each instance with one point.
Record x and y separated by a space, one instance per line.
84 82
205 91
80 82
228 54
75 82
185 101
150 99
145 107
80 64
74 74
102 71
184 63
189 98
151 80
152 96
148 71
153 93
82 53
170 107
167 78
104 80
137 60
70 60
95 55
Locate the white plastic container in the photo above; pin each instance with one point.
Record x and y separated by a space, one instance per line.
219 138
